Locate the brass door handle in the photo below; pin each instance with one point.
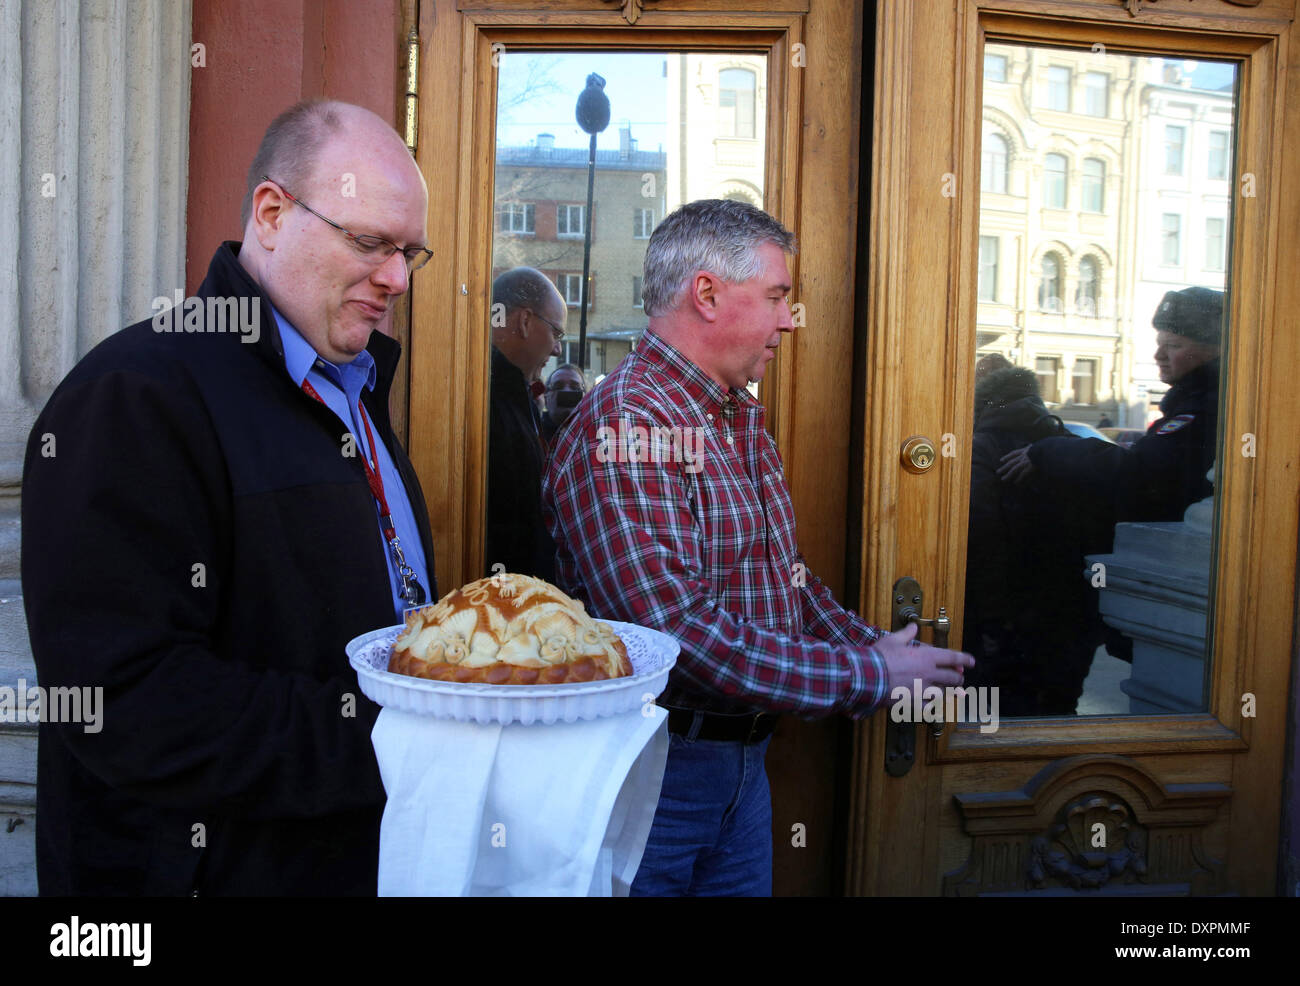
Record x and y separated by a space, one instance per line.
940 623
908 598
901 748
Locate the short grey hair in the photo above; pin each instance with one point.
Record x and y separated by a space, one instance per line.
290 148
721 236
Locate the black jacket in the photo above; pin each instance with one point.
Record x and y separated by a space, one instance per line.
199 547
1031 615
1162 473
517 536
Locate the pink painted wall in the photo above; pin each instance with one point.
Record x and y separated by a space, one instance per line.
263 56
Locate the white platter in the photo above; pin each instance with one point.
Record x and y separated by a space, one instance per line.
651 652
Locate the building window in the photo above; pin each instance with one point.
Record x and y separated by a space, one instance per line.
1214 244
1094 185
1054 178
1171 239
518 218
1218 155
995 68
1049 287
643 223
735 103
1096 94
988 281
636 293
993 163
570 286
1045 370
1085 298
1058 88
1085 381
1174 140
569 220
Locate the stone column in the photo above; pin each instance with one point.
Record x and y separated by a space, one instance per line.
94 150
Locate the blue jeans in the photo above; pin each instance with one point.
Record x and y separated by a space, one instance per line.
712 833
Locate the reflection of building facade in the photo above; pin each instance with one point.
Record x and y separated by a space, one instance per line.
1184 198
717 114
540 221
1086 218
1056 148
715 121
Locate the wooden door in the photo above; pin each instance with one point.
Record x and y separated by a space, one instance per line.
1175 803
810 94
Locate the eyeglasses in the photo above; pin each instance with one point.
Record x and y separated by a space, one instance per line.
555 329
374 248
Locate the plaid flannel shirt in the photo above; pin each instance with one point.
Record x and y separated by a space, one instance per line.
669 508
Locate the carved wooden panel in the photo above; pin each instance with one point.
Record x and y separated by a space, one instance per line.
1102 825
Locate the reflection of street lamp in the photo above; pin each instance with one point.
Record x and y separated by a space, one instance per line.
593 116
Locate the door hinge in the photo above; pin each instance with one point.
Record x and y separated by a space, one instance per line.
412 87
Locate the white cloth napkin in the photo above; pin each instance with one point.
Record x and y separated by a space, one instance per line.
558 810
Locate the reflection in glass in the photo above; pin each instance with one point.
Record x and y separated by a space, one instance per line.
1085 302
1049 287
1094 185
1089 558
1097 94
1058 88
682 126
736 102
993 164
1054 187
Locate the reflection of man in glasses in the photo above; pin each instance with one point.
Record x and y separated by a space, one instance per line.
216 521
1163 472
528 316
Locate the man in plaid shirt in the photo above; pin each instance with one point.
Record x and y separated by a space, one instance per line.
669 509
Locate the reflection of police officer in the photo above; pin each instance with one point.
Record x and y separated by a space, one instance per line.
1163 472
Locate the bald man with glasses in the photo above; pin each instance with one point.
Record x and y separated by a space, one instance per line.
209 516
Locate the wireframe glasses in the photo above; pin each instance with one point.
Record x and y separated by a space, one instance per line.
555 329
374 248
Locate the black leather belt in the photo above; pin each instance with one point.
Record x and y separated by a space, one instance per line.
749 728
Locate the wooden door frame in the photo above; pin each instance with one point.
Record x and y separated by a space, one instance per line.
939 46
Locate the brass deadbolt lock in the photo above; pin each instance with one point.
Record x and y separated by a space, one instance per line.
918 454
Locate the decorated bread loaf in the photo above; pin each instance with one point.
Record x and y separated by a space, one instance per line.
508 630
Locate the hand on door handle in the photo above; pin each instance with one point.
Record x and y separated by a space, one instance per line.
940 660
941 624
915 667
908 661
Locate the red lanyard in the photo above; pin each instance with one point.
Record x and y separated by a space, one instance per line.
411 590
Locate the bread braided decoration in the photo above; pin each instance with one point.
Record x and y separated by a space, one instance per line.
508 629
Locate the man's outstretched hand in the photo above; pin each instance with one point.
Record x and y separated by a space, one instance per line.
1015 466
908 662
